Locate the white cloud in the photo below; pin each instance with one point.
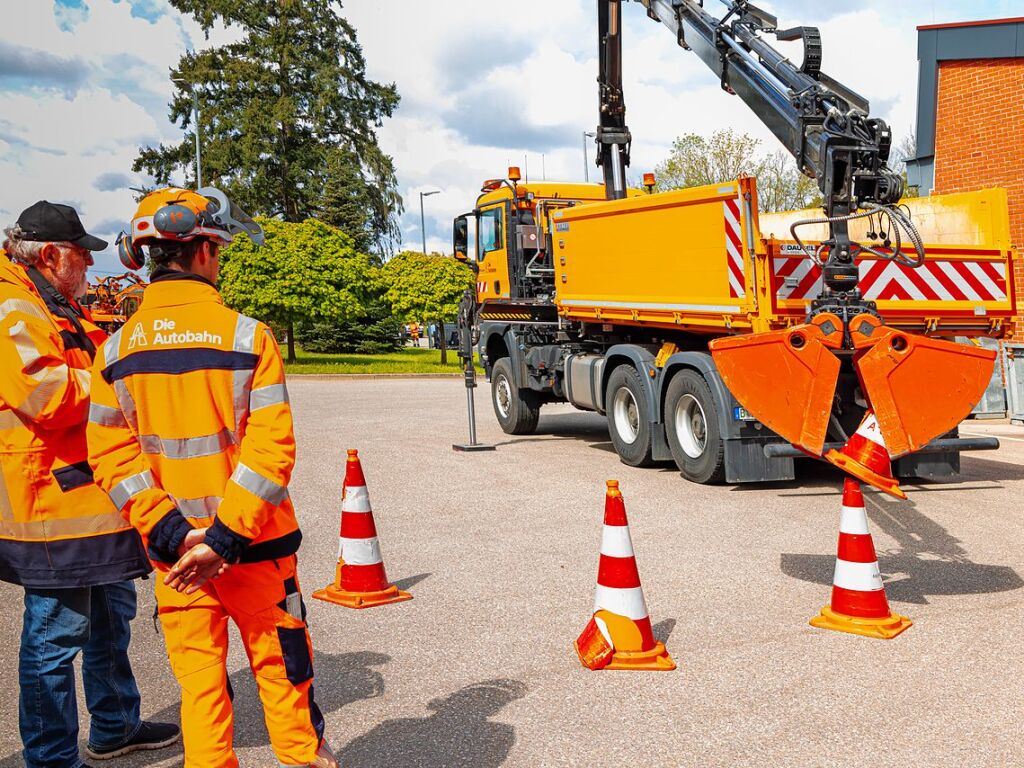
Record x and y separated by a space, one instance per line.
529 72
481 81
74 127
83 88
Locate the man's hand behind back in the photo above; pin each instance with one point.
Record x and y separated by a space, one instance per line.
192 538
197 566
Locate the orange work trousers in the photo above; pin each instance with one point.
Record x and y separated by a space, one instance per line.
263 600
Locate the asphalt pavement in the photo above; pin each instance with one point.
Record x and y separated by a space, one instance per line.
500 552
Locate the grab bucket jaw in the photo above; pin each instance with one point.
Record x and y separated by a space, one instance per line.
785 379
918 387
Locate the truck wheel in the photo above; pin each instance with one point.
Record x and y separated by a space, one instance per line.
629 419
691 427
518 410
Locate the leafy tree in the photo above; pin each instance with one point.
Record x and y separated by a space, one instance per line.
781 187
346 202
422 286
287 113
304 271
905 150
695 161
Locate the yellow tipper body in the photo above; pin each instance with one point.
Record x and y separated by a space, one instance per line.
702 260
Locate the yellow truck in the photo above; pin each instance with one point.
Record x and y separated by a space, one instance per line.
610 306
728 341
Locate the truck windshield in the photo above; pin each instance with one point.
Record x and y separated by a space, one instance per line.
490 231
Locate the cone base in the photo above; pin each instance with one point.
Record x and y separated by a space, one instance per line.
887 484
654 660
884 629
333 594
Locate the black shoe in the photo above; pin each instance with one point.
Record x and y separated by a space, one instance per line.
149 736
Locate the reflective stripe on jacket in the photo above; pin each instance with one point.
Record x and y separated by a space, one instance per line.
190 425
57 528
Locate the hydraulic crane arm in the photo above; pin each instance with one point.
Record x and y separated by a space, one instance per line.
613 137
822 123
827 128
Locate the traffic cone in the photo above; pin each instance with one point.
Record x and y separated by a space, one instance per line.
866 458
618 635
858 602
359 580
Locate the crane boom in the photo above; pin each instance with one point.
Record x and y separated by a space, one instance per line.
822 123
613 137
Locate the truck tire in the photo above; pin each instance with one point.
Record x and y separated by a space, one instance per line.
629 419
517 410
691 428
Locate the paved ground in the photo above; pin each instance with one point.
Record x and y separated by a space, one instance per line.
500 551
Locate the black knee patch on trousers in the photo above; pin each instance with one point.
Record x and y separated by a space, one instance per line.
298 665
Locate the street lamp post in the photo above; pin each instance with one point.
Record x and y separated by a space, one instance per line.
423 224
440 321
586 165
195 111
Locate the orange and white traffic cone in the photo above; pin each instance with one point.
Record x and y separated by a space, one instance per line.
866 458
359 580
618 635
858 602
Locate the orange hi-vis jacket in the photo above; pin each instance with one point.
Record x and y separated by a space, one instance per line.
57 528
190 425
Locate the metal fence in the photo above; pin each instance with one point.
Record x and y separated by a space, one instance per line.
1014 359
993 403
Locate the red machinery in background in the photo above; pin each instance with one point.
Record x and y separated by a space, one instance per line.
113 299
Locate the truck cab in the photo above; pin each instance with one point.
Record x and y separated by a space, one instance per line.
507 237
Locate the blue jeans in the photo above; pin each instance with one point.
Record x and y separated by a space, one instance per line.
59 623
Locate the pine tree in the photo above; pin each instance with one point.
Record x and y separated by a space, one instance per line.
346 202
287 115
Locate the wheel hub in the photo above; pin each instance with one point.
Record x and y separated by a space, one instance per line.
691 426
503 397
626 415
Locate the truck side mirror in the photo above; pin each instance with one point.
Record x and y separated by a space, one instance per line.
460 238
460 242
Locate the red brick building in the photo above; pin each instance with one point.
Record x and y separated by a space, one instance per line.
970 119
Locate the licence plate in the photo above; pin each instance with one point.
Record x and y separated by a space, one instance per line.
739 413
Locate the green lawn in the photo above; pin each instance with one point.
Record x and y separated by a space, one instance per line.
407 360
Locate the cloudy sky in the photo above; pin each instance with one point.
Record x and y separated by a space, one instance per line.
484 84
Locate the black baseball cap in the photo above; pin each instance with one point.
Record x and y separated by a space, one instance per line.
52 222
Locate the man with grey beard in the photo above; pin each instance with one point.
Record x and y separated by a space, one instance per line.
61 537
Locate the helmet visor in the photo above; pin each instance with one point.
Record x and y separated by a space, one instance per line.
230 217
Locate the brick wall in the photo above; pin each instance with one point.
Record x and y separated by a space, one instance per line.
979 141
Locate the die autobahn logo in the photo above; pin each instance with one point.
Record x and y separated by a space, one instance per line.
164 334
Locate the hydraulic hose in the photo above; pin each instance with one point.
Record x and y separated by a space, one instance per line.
899 221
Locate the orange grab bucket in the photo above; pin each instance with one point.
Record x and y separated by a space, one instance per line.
918 387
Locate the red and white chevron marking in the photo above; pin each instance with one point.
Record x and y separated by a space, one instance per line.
734 248
937 280
481 287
